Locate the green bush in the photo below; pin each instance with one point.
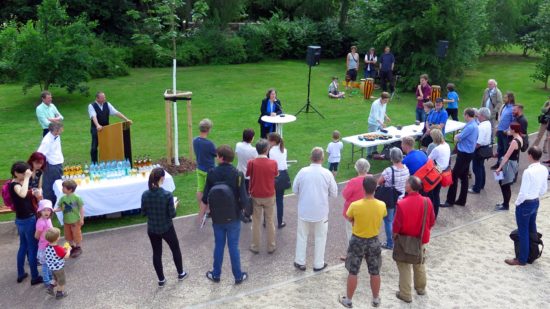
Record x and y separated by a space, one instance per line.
147 56
331 38
211 46
109 61
302 33
254 36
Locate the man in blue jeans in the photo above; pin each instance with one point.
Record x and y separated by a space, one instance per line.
533 186
225 222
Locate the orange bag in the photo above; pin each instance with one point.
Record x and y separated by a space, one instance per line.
429 175
446 178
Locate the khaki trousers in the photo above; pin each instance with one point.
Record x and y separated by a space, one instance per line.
405 279
263 208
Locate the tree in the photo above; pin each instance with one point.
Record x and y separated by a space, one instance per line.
412 28
222 12
504 18
542 69
57 50
316 10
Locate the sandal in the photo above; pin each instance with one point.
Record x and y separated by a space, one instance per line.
345 301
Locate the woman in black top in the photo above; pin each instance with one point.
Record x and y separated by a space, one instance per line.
509 165
271 106
157 205
25 220
37 162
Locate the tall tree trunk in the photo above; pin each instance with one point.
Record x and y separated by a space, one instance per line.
343 14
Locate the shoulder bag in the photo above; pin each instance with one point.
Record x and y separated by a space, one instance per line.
408 249
388 195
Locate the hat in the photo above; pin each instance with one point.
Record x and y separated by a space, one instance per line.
43 204
439 100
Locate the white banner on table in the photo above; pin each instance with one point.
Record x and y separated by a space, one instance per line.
110 196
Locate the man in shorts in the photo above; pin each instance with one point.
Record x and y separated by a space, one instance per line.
205 153
366 215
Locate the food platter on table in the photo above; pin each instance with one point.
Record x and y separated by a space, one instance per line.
369 137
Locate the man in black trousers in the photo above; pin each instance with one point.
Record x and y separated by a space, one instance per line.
387 62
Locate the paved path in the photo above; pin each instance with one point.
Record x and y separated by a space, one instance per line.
115 271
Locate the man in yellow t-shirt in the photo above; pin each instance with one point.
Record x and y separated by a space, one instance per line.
366 215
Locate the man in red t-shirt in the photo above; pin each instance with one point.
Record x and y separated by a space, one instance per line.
262 172
408 221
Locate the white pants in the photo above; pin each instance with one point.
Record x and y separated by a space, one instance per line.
320 233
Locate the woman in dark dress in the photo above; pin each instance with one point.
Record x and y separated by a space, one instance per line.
271 106
157 205
25 220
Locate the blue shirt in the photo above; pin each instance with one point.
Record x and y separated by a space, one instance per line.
205 152
468 137
438 117
505 118
386 61
415 160
452 95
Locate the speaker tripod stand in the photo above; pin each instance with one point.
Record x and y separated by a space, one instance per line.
308 104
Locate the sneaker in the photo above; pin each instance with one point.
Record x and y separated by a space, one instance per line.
60 294
386 246
182 276
76 252
37 280
376 302
162 283
49 290
470 190
421 292
243 278
211 277
345 301
398 295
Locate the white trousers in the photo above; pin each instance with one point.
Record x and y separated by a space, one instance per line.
320 230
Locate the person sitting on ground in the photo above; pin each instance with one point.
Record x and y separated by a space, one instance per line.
399 173
158 206
354 191
414 159
509 165
334 150
333 92
366 215
72 207
408 222
225 210
55 259
533 186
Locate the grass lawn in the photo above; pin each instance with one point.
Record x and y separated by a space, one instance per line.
230 95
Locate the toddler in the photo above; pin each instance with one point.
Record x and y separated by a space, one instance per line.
55 258
334 149
43 224
73 216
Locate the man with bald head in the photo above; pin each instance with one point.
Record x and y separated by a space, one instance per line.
492 99
99 112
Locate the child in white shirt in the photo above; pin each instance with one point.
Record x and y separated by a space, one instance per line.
334 150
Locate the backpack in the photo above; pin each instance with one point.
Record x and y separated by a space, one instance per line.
525 144
6 195
222 203
535 244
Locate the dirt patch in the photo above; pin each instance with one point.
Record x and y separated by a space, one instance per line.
185 166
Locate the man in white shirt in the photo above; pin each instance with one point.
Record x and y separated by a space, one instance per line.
483 142
245 152
313 185
99 112
51 148
46 112
533 186
378 116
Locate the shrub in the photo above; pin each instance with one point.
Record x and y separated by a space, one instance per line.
302 33
147 56
254 36
330 38
109 61
212 46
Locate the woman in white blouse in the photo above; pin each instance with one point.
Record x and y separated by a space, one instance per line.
278 153
441 155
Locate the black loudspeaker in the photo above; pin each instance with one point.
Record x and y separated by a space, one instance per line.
313 55
442 47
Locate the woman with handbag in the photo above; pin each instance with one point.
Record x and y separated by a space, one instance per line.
509 166
393 177
483 150
278 153
441 155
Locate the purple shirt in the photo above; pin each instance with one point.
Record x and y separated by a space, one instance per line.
426 95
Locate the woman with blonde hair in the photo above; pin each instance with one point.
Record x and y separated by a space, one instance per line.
441 155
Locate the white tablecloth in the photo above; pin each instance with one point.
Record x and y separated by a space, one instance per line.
410 130
109 196
279 120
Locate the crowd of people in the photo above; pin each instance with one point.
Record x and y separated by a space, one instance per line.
253 190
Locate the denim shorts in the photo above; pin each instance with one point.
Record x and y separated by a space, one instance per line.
368 248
